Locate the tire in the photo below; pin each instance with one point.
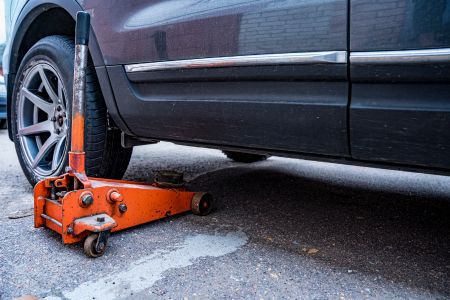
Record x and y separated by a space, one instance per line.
244 157
47 72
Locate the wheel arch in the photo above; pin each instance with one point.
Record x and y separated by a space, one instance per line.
38 19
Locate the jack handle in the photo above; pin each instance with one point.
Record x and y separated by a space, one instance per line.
76 154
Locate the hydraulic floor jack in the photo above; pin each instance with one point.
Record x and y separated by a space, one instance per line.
78 207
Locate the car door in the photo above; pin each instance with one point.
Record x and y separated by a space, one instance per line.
251 74
400 73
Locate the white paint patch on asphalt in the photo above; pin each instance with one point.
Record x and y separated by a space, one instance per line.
143 273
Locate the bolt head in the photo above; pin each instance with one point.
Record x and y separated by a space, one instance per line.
58 108
87 200
123 207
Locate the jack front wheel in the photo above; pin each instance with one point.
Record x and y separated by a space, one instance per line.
92 248
202 204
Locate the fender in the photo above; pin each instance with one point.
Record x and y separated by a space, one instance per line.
29 13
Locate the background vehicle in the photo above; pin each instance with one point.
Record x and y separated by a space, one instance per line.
348 80
2 80
2 93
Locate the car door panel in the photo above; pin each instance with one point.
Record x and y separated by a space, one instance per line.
248 98
400 73
146 31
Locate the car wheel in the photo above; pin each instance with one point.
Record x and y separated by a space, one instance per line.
244 157
41 108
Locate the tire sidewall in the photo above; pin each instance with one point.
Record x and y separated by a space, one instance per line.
47 50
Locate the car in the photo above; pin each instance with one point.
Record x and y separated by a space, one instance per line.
2 103
2 91
350 81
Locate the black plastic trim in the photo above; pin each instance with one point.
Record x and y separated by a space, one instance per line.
401 123
110 101
399 72
291 115
318 157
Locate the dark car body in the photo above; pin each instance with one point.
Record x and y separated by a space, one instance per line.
358 80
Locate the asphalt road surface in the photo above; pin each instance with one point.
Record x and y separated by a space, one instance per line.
283 228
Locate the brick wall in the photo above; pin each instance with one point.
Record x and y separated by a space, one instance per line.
381 22
305 27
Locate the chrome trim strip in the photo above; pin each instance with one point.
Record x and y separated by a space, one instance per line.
401 57
328 57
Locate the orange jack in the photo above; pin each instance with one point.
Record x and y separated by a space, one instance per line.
78 207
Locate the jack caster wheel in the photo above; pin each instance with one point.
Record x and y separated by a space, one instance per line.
202 204
91 248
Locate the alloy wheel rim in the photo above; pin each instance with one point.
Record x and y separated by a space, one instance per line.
43 119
